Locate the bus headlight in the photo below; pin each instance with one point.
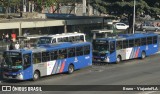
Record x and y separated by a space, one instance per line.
20 76
106 59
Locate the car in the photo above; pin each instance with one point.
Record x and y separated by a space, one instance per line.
121 26
148 27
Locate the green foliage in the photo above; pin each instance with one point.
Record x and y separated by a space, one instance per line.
15 2
8 3
43 3
69 1
121 7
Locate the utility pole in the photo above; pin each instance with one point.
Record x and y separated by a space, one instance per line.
134 15
84 7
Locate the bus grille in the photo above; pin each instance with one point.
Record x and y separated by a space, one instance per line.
10 70
99 54
103 54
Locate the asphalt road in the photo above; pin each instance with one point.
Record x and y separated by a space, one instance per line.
132 72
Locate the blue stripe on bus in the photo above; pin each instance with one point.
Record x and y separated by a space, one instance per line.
59 66
131 53
55 68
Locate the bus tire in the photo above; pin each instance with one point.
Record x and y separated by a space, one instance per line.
143 55
70 69
36 75
118 60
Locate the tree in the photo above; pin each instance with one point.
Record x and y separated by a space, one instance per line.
67 2
41 4
125 8
5 4
15 4
8 4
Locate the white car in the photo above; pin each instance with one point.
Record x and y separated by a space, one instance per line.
147 27
121 26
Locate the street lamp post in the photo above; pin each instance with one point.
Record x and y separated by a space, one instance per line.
134 15
84 7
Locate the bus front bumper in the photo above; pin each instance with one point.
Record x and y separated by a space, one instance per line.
101 59
16 77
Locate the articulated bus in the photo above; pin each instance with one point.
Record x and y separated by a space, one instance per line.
64 37
46 60
124 46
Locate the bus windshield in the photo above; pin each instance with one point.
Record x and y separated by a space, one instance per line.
13 60
101 46
44 40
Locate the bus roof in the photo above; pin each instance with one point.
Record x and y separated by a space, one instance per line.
63 35
51 47
30 37
128 36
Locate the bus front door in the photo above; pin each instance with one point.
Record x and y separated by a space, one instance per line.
28 67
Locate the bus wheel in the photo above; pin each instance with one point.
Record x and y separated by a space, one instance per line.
118 60
70 69
36 75
143 55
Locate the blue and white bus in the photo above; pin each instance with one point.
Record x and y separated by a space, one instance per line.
46 60
64 37
124 46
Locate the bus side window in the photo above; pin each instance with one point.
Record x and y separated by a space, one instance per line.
72 39
137 42
119 45
36 58
69 39
59 39
131 43
155 40
62 54
46 56
65 39
77 38
125 44
54 55
81 38
143 41
86 50
79 51
27 60
53 40
71 52
62 39
112 46
149 40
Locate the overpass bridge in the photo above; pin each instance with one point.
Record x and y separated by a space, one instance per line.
20 23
